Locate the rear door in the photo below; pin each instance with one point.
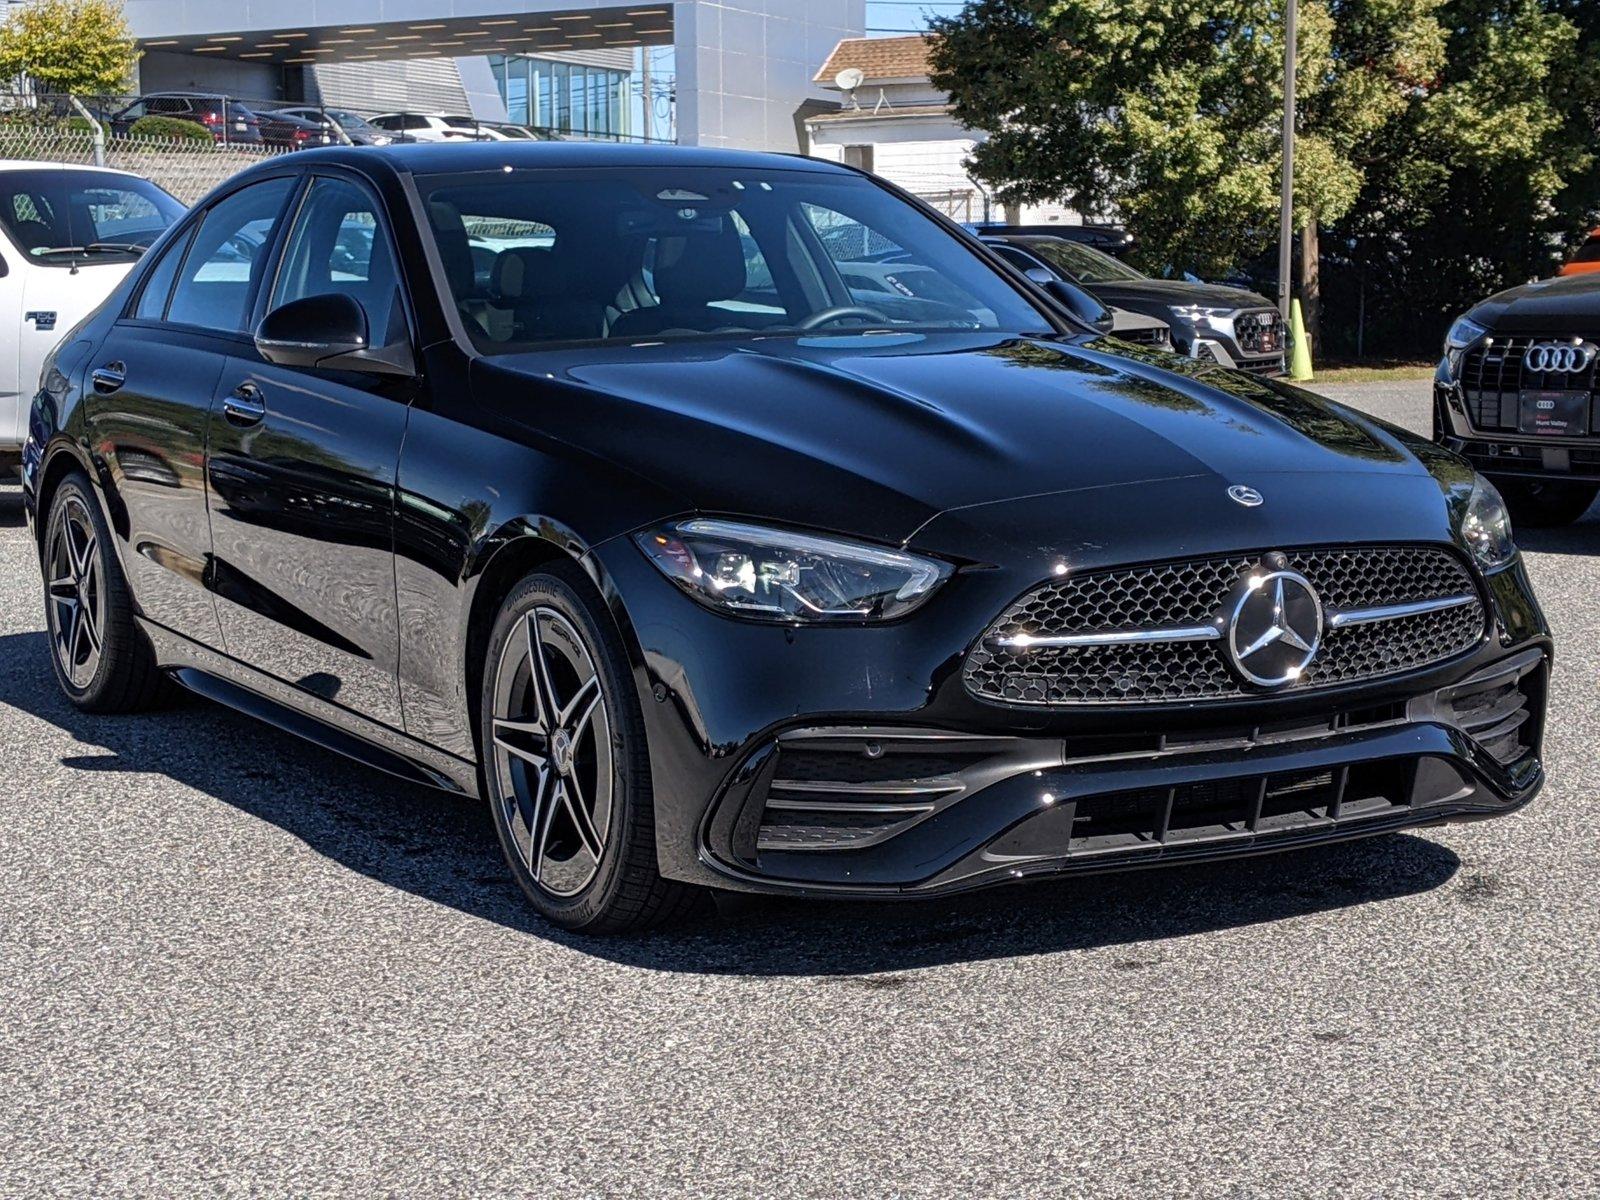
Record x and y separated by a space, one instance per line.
153 381
302 470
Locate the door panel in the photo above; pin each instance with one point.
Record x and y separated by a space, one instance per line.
150 432
302 474
302 468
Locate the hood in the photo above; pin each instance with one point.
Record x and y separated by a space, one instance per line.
1566 304
1143 294
876 435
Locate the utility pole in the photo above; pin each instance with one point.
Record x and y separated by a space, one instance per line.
1286 210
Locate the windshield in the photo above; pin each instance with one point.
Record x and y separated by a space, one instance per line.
57 216
1083 263
656 254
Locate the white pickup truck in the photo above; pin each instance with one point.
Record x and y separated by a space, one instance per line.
70 233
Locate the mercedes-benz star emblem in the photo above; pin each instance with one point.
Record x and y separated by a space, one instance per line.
1244 494
1559 358
1274 627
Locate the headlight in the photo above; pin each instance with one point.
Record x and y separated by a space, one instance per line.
1486 527
1199 314
774 575
1462 334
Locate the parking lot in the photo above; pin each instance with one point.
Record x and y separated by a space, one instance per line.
231 961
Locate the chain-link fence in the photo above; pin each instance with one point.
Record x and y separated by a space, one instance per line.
186 169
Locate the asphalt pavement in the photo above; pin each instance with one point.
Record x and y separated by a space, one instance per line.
233 963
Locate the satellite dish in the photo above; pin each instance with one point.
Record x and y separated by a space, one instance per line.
849 79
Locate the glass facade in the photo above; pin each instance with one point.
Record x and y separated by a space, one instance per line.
582 100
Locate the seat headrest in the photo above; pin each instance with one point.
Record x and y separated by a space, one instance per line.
532 273
699 267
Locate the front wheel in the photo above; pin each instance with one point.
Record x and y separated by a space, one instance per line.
1546 503
565 763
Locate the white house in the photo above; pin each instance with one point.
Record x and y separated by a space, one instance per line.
895 123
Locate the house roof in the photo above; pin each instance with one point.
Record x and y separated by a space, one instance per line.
879 58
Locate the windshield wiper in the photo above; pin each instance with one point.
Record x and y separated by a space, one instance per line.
94 248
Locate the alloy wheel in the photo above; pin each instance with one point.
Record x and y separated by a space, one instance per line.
552 760
76 594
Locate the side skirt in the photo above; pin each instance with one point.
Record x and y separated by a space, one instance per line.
228 681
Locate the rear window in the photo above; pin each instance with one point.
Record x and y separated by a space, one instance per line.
59 218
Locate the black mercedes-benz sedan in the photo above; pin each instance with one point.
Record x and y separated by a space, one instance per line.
1518 393
577 478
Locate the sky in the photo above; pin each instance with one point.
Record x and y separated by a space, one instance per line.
905 16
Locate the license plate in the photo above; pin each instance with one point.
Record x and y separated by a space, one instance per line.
1555 413
240 126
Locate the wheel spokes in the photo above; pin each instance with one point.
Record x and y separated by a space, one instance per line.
541 689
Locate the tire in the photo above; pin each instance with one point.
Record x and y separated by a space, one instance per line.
1538 503
572 808
102 660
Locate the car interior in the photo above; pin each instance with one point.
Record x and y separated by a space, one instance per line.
647 258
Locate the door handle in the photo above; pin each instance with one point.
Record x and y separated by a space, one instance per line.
109 377
244 406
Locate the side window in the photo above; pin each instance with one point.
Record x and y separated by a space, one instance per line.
228 256
339 244
416 123
157 288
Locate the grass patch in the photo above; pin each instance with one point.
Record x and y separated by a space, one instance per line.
1374 372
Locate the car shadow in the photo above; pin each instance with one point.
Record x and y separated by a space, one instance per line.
443 849
1581 537
10 502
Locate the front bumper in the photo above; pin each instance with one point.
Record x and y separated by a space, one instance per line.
751 725
1508 455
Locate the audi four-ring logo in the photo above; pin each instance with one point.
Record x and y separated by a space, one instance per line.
1559 358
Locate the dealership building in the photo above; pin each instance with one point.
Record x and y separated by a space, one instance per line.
737 73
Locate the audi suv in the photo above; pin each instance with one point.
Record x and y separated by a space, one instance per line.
705 572
1516 394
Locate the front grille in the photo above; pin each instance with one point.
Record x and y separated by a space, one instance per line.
1262 366
1194 594
1259 332
1494 374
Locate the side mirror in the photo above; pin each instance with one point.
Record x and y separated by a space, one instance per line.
329 332
1040 276
1080 304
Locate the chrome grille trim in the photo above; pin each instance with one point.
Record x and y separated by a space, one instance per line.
1112 637
1340 619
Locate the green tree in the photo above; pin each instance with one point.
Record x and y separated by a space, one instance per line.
1487 179
79 47
1166 114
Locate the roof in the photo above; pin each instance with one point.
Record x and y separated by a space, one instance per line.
39 164
879 59
886 113
437 158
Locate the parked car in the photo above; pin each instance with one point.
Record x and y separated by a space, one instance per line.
501 131
229 121
348 128
1518 393
1108 239
1586 258
707 573
285 131
70 235
1220 324
425 127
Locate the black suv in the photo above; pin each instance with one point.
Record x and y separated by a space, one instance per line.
1228 325
1516 393
228 121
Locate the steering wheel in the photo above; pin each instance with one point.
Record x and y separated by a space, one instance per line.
838 313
